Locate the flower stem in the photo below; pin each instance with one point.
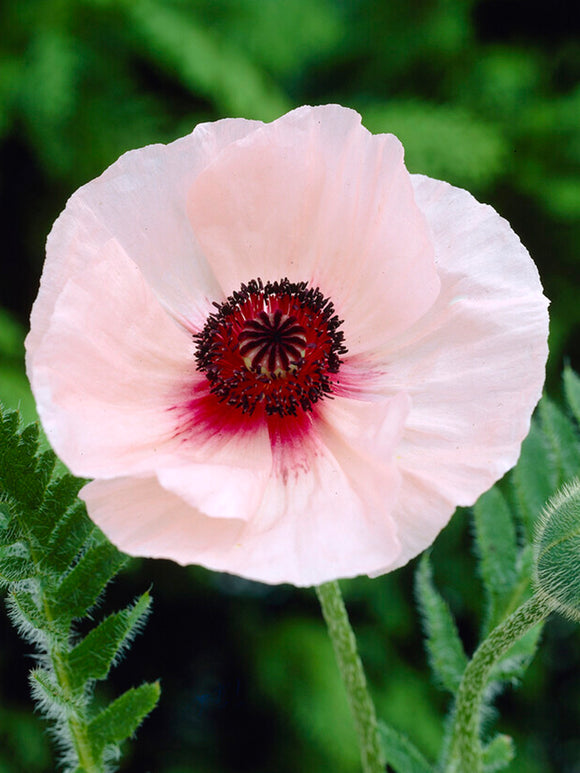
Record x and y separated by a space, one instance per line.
77 720
353 676
465 749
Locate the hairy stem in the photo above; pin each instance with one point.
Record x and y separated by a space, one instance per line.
77 723
465 750
353 676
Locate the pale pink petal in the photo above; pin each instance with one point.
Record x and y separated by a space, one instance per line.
444 321
474 366
144 519
140 201
110 400
224 489
315 197
107 370
327 517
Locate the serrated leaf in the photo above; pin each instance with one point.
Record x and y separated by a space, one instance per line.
563 440
10 532
45 464
498 754
15 568
69 535
58 497
44 530
82 586
572 391
23 474
9 421
26 608
50 694
8 537
61 494
495 539
122 717
534 478
400 753
29 438
446 654
93 656
16 462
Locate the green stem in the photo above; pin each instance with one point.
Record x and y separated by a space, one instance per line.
77 723
353 676
465 750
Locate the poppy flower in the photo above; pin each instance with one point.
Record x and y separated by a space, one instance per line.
278 354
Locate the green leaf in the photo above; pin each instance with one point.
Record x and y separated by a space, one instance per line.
400 753
17 459
495 539
25 610
56 564
8 537
498 754
60 495
446 654
68 537
9 421
572 391
10 532
93 656
82 586
123 716
562 438
50 694
15 568
534 478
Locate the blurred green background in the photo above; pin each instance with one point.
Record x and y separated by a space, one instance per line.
483 94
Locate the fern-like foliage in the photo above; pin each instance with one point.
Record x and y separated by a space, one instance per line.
55 564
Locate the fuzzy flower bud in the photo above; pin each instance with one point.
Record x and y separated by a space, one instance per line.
557 552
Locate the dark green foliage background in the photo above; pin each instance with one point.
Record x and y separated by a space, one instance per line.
483 94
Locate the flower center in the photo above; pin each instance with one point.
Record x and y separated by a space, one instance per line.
272 344
274 347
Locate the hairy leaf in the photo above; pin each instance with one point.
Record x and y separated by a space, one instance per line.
534 478
82 586
69 536
495 539
122 717
14 568
26 611
498 754
401 754
93 656
446 654
51 695
56 563
572 391
562 438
